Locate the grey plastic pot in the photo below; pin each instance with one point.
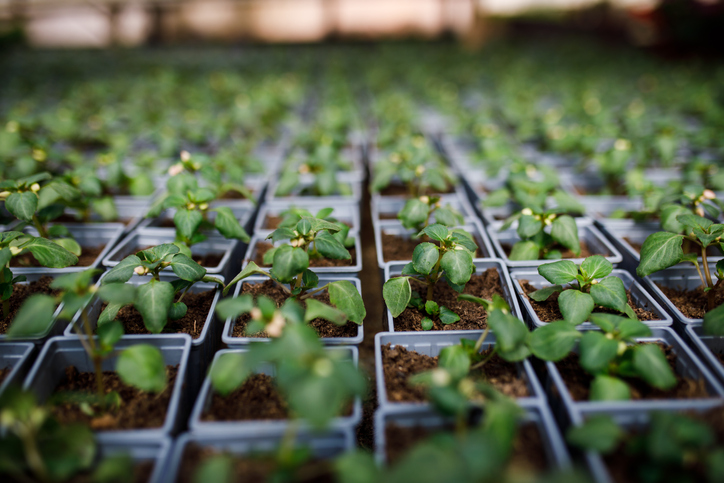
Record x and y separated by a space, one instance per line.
259 427
394 227
62 352
602 207
640 297
430 344
306 181
56 328
231 341
106 234
203 347
349 155
681 277
157 452
687 364
16 357
708 347
323 446
587 232
348 270
386 208
344 213
481 265
145 237
243 211
130 211
556 453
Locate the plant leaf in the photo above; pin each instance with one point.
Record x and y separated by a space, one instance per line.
424 257
610 293
251 269
596 266
229 372
153 302
122 272
525 250
187 269
34 317
575 306
554 341
565 232
50 254
289 262
544 293
714 321
317 309
187 222
330 247
345 296
397 293
598 433
511 335
651 366
435 231
596 351
142 366
660 250
563 271
117 293
528 226
608 388
458 266
228 225
22 205
447 316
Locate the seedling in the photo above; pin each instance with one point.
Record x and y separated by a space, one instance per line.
220 174
536 243
589 285
673 446
609 355
293 215
452 258
91 198
323 166
417 213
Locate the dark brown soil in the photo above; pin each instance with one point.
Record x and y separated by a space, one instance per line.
399 365
388 216
396 189
139 409
692 303
528 451
472 316
233 195
565 252
5 373
252 468
578 381
263 247
87 256
65 218
272 290
256 399
395 247
548 311
192 323
21 292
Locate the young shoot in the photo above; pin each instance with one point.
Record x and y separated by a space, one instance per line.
536 242
418 212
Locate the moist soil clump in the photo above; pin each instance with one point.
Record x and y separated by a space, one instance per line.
256 399
565 252
472 315
692 303
579 381
399 364
395 247
139 409
252 468
548 310
21 292
272 290
192 323
263 247
87 256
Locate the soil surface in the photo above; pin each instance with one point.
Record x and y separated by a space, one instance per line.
399 364
263 247
565 252
396 189
395 247
548 310
472 315
21 292
139 409
87 256
692 303
192 323
579 381
272 290
256 399
66 218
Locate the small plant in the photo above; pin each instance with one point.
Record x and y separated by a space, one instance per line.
92 198
673 446
220 174
452 258
293 215
536 243
609 355
589 285
418 212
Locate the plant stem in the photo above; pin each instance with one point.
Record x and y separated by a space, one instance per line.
482 363
39 226
97 358
701 275
6 302
286 445
183 293
309 294
480 341
32 454
705 262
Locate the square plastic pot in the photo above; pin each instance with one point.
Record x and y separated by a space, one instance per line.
386 208
203 347
481 265
131 211
640 297
687 365
602 207
264 427
707 347
157 452
231 341
324 446
593 182
243 210
306 181
394 227
145 237
539 415
106 234
587 232
17 357
348 270
431 344
345 213
675 277
62 352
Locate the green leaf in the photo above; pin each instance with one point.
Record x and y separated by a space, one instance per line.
109 334
232 308
187 269
575 306
464 239
319 225
317 309
114 469
397 293
414 213
289 262
330 247
596 351
187 222
50 254
554 341
229 372
228 225
651 366
251 269
67 451
282 233
160 252
218 468
454 359
565 232
22 205
544 293
122 272
426 323
309 279
345 296
660 250
608 388
560 272
488 305
447 316
596 266
109 314
610 293
34 317
177 310
69 244
142 366
424 257
714 322
528 226
435 231
599 433
117 293
432 308
153 302
510 332
694 221
524 250
458 266
668 217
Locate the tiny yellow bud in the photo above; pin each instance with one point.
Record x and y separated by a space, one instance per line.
140 270
323 367
304 168
700 211
594 282
276 326
190 205
440 377
425 199
4 194
185 156
709 194
176 169
35 187
622 347
256 313
204 206
15 251
527 211
419 170
622 145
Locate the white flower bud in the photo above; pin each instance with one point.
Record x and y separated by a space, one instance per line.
140 270
4 194
425 199
256 313
467 387
700 211
440 377
14 251
419 170
276 326
204 206
175 169
185 155
709 194
526 211
35 187
304 168
190 205
622 347
622 145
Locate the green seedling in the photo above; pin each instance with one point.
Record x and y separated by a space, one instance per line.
535 242
418 212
